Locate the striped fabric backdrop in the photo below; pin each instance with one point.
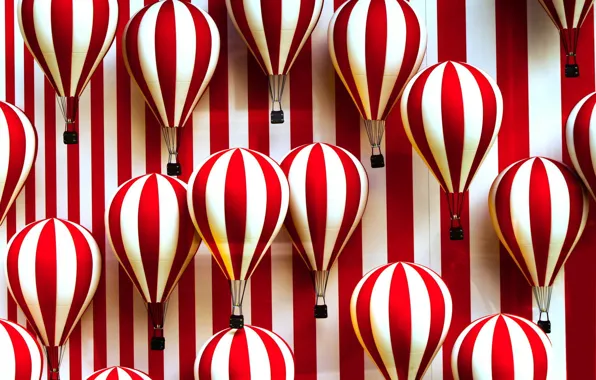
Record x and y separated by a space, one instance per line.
406 218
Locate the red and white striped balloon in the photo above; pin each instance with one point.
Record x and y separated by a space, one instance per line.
118 373
52 270
452 113
20 353
581 140
539 210
376 47
328 195
153 237
238 200
275 31
171 49
501 347
401 313
18 148
68 39
568 16
249 353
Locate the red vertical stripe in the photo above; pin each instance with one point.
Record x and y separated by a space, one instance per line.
375 52
29 87
540 217
258 139
502 352
97 216
316 202
455 255
301 132
347 136
219 139
400 191
580 283
514 136
123 114
153 141
186 285
400 321
11 217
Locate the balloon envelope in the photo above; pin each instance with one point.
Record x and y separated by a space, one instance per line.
501 347
249 353
21 354
18 149
118 373
401 314
581 140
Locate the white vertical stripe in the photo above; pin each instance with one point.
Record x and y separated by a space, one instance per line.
171 355
3 56
111 184
81 39
3 285
39 124
336 200
258 354
522 350
62 165
43 31
254 19
7 354
281 290
87 348
19 59
379 318
484 245
169 233
141 334
237 88
290 11
356 47
66 266
220 359
65 363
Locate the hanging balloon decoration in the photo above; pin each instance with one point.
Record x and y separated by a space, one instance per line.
452 113
501 347
376 47
52 270
328 195
153 237
68 39
539 210
18 148
171 49
238 200
118 373
21 354
568 16
401 314
250 353
275 32
581 140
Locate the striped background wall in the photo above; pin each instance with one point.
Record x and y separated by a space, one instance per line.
406 218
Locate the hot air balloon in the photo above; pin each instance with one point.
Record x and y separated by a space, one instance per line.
250 353
18 148
52 270
501 347
238 200
68 39
153 237
539 210
21 354
275 32
581 140
171 49
452 113
328 194
401 313
376 47
118 373
568 16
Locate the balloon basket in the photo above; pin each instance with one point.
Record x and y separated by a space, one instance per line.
174 169
70 138
571 70
321 311
377 161
544 326
277 117
456 233
158 343
236 321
